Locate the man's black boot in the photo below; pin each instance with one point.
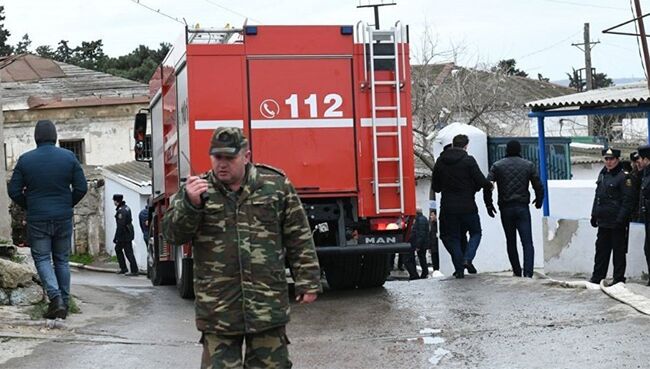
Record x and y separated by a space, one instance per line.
56 309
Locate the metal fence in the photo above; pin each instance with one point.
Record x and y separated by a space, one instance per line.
558 153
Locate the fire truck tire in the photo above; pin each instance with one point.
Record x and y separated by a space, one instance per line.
343 272
184 282
374 270
162 273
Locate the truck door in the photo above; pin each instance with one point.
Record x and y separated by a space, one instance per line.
302 120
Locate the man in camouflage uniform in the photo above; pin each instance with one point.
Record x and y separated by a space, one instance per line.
241 232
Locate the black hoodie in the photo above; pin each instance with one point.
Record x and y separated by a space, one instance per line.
457 176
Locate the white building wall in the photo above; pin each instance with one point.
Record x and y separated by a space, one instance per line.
106 141
136 199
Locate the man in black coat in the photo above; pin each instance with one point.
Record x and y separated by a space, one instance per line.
420 243
124 235
513 174
457 176
644 202
613 203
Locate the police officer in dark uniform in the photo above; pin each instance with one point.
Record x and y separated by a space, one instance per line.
124 235
644 211
613 204
635 176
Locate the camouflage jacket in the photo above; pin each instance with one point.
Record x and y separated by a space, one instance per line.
239 243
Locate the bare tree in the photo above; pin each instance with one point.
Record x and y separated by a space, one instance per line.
443 93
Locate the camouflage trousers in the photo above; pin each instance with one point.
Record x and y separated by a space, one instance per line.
264 350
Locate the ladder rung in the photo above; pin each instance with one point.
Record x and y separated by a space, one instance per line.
389 210
386 83
384 57
385 107
387 159
388 184
382 35
386 133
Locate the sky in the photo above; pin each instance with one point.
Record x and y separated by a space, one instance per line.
537 33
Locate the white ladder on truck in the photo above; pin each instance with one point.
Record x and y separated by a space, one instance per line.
394 36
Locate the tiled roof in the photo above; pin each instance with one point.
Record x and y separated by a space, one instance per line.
33 82
632 93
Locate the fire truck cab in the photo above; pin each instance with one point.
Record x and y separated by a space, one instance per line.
328 105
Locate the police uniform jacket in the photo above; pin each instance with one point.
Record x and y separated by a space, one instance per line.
614 199
124 224
644 201
239 243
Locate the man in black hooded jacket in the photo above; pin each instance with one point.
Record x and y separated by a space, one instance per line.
48 182
457 176
513 174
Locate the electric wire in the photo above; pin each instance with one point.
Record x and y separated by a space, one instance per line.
584 5
231 11
549 47
157 11
638 43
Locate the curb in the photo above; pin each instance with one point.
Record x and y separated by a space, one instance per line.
98 269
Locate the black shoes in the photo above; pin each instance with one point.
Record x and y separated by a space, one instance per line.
459 275
132 274
122 272
56 309
470 268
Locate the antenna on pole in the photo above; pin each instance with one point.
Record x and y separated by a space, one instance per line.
376 4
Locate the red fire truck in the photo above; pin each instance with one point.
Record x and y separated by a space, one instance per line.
329 105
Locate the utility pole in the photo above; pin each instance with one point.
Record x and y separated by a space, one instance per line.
644 42
376 5
589 78
589 81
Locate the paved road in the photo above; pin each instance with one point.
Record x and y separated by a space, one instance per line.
483 321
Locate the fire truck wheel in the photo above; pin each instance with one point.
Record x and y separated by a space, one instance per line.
184 283
343 272
162 273
374 270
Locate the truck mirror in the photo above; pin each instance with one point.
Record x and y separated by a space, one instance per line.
140 134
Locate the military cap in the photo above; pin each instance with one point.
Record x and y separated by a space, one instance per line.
644 151
634 156
227 141
118 197
611 153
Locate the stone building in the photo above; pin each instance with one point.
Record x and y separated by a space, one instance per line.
93 113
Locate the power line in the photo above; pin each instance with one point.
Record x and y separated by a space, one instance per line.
549 47
158 11
583 4
231 11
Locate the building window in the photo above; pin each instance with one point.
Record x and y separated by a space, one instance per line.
76 146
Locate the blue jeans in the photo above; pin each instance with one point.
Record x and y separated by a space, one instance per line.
517 219
52 240
457 226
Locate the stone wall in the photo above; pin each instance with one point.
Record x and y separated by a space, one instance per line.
89 216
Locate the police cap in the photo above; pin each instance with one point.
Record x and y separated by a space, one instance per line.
644 151
118 197
227 141
634 156
611 153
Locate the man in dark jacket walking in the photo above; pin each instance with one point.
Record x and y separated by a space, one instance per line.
610 213
420 244
48 181
457 176
124 235
512 175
